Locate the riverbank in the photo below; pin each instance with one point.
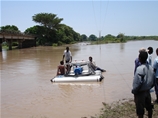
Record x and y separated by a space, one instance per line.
122 109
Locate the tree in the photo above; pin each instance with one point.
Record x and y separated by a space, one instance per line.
109 37
83 37
121 37
51 24
39 32
67 35
48 20
10 28
51 31
76 36
92 37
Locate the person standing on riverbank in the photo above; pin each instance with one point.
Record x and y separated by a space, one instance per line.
68 58
143 81
137 62
155 66
150 51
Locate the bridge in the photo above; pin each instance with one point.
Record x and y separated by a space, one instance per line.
24 40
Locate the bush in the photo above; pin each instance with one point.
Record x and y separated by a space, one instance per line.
4 44
54 44
123 109
59 43
15 44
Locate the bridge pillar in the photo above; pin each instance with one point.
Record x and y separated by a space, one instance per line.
0 45
10 44
20 44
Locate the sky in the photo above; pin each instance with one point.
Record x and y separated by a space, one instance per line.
132 18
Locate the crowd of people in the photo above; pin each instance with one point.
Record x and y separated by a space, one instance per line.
145 78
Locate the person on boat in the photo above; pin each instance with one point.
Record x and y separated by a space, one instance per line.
155 66
78 70
93 65
68 59
143 81
61 68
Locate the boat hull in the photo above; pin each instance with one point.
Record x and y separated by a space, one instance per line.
77 78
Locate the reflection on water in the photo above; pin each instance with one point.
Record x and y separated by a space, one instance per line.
122 46
27 91
4 54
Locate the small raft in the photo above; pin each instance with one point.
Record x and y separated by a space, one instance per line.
80 72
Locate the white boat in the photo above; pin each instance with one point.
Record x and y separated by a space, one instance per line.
80 72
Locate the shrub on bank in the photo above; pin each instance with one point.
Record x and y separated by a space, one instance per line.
122 109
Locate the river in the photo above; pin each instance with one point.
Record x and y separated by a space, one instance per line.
26 90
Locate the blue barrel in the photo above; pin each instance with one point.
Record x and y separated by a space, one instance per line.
78 70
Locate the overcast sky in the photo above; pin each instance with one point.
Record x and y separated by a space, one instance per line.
139 18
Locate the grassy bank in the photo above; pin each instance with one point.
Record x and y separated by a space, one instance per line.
122 109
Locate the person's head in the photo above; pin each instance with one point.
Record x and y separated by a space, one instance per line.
143 55
90 58
157 51
67 48
142 50
150 50
62 62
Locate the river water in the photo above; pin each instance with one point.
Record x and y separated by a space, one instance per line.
26 90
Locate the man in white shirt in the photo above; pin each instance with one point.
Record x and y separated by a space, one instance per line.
150 51
68 58
93 65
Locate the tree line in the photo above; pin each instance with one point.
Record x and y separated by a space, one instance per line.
50 31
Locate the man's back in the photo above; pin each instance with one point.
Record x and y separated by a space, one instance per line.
67 55
61 69
145 75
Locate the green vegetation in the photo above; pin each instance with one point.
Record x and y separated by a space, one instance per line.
6 47
121 38
10 29
51 32
122 109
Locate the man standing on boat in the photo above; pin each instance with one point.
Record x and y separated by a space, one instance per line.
68 58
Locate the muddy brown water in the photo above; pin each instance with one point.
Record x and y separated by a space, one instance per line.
26 90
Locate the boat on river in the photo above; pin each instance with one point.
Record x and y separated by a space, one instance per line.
80 72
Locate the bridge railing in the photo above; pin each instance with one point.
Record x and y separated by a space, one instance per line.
15 35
